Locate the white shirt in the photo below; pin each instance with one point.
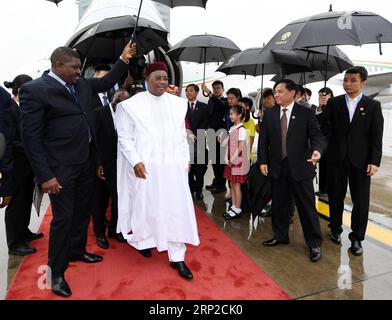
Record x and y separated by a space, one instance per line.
56 77
288 112
352 105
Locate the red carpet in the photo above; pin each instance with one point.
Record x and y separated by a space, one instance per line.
222 271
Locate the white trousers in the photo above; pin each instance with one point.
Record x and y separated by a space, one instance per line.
176 251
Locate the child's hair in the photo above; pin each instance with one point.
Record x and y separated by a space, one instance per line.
239 110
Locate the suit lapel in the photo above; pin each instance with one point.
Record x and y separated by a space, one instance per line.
360 108
109 118
55 84
293 119
346 113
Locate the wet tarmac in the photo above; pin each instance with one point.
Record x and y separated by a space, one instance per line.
339 274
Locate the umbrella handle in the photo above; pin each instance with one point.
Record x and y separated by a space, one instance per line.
133 36
204 72
379 36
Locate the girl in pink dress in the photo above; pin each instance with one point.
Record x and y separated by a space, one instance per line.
237 160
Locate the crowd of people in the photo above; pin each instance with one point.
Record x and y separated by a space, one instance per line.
94 144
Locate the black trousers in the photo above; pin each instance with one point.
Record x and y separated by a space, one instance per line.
198 170
323 175
71 215
105 189
339 176
18 212
219 166
303 192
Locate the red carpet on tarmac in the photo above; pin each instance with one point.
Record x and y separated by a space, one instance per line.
222 271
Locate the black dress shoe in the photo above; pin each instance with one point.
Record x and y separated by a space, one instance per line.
211 186
88 258
183 270
356 248
34 236
335 237
199 195
120 238
21 250
218 189
315 254
102 242
61 287
274 242
146 253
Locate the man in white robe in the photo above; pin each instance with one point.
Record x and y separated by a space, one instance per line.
155 207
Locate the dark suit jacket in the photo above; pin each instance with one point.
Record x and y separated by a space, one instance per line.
6 162
96 102
303 137
106 136
217 111
360 140
22 167
55 126
198 119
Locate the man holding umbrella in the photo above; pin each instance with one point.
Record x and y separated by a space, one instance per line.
58 132
355 130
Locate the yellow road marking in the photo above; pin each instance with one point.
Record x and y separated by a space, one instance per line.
373 230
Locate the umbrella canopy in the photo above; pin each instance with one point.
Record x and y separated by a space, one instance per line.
55 1
203 48
256 62
183 3
108 38
304 78
333 28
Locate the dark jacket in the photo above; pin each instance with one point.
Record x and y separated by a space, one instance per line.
6 162
360 140
198 119
303 137
55 128
217 111
106 136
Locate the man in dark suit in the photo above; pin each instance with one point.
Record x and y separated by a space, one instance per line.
18 212
58 133
6 162
290 143
355 130
107 169
218 109
197 116
101 192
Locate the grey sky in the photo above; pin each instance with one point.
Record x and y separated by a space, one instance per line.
31 29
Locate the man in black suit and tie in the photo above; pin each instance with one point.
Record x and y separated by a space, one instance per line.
218 110
107 169
197 116
58 133
290 143
355 130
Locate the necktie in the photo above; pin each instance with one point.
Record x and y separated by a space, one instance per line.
105 101
283 130
71 89
192 107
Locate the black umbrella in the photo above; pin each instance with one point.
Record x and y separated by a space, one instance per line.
304 78
333 28
55 1
204 48
183 3
256 62
107 38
